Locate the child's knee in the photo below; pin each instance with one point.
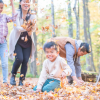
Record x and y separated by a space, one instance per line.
47 89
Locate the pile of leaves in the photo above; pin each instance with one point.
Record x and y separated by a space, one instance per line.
87 91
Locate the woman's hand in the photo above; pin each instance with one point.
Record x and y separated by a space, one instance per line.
28 29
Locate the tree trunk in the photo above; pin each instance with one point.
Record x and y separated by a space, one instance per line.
53 21
70 29
89 60
77 18
33 67
89 38
88 67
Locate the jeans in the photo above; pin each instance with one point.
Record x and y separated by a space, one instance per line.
21 58
4 60
49 85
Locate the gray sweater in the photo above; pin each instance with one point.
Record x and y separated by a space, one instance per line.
73 63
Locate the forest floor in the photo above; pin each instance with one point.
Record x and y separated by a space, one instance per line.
87 91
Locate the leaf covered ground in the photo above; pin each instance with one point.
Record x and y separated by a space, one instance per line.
86 91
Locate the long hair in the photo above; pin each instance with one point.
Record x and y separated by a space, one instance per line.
28 14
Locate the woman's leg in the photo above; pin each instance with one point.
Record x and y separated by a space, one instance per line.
4 60
53 83
26 55
18 59
17 63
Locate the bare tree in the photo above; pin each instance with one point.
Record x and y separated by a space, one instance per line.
77 18
86 16
89 37
70 28
53 20
33 67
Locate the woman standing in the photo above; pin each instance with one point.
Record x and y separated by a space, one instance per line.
21 41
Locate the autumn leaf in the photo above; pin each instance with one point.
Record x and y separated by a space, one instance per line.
14 54
14 24
20 97
37 33
10 20
37 63
55 95
40 49
36 58
47 28
21 75
5 5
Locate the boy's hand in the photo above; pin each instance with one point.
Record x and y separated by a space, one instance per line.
38 90
63 75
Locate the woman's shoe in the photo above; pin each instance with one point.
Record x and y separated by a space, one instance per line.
12 80
21 83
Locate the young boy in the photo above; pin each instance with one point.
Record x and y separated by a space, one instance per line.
54 68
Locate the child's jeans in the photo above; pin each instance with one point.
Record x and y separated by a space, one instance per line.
49 85
4 60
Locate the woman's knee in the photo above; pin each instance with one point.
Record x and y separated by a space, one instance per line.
19 59
25 60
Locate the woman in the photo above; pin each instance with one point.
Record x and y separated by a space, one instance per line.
21 41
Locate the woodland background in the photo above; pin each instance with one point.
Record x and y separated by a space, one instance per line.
78 19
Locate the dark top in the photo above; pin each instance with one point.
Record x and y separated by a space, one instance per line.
25 40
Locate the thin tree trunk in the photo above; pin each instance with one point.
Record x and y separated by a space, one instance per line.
70 29
89 38
33 67
85 33
53 20
89 60
84 16
77 19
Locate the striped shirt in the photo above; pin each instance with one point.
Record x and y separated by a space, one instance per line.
4 19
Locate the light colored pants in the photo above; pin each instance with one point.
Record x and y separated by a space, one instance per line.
49 85
4 60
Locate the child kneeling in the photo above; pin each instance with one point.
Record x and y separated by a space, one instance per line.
54 68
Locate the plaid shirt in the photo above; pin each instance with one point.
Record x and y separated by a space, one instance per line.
4 19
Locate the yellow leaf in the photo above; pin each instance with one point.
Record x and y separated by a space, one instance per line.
5 5
20 97
21 75
14 54
91 98
55 95
15 25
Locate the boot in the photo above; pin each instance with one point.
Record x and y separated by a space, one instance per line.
21 80
21 83
12 80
